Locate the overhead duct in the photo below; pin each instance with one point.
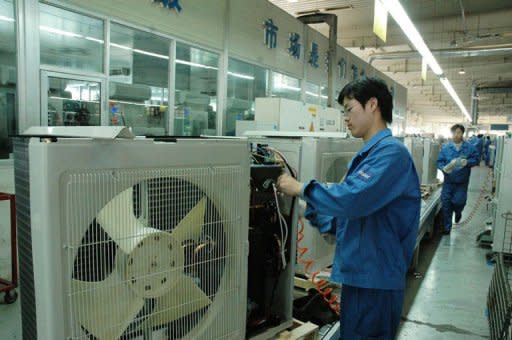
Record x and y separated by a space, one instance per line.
444 53
482 90
332 21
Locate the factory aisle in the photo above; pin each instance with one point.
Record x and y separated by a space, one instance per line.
450 302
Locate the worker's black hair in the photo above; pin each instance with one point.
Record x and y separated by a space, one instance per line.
365 88
480 135
458 126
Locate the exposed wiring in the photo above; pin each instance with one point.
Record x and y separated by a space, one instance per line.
320 284
293 172
283 226
479 200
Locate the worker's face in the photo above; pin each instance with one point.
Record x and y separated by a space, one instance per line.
359 118
457 136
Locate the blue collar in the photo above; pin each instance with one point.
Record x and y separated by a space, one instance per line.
375 139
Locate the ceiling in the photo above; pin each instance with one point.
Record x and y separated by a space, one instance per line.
452 27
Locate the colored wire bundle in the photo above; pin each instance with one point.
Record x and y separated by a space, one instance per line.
320 284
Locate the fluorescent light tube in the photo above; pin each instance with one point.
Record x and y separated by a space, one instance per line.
402 19
449 88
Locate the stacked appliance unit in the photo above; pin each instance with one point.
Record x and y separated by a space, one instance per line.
132 238
430 156
314 156
291 115
502 207
416 148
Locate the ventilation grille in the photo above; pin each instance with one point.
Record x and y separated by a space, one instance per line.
22 185
162 253
335 166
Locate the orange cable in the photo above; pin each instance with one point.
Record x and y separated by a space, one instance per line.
327 293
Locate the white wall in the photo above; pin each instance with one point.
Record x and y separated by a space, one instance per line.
318 75
246 36
200 21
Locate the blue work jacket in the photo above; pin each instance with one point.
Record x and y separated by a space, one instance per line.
449 152
487 143
374 212
478 144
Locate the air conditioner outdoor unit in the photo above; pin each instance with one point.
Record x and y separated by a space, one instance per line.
130 92
314 156
416 149
132 238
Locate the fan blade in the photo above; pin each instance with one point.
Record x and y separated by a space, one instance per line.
118 221
105 308
189 227
185 298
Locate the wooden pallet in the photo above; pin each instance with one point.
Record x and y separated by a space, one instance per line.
300 330
303 283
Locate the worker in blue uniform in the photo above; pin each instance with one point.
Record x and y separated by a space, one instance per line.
487 153
477 142
374 213
455 160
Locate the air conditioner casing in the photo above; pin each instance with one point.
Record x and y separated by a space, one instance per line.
323 159
61 182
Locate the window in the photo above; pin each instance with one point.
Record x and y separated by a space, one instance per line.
324 91
8 77
196 91
285 87
245 83
312 94
139 80
70 40
73 102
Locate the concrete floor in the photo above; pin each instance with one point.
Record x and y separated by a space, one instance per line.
447 302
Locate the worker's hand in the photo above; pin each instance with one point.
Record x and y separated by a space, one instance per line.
289 185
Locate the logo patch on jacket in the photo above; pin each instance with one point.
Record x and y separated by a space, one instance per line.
364 174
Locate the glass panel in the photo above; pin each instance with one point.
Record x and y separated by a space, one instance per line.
8 78
70 40
196 91
312 94
73 102
139 80
324 91
285 87
245 83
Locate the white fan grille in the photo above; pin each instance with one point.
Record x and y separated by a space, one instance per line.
154 251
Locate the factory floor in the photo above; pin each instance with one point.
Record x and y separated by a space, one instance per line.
447 300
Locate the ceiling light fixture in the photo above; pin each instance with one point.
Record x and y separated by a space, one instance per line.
402 19
449 88
400 16
461 71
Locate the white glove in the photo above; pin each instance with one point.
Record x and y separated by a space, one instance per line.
463 162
